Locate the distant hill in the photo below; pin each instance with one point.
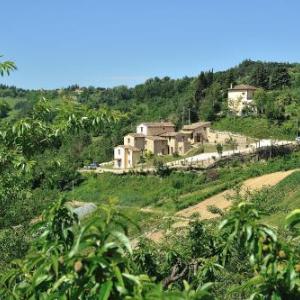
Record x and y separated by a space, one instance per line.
190 98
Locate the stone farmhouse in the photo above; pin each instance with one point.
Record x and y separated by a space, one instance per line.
197 132
240 97
158 138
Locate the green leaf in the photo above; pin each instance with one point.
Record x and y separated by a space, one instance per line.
133 278
206 286
270 233
105 290
293 218
124 239
223 224
60 281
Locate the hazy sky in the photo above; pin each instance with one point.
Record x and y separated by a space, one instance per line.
56 43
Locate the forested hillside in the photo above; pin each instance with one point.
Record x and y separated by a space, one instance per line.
184 100
47 253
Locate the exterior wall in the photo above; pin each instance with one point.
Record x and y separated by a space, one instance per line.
125 158
141 128
159 130
172 144
238 100
134 141
150 130
139 142
220 137
179 144
197 135
157 147
135 158
149 145
183 146
160 147
129 140
119 157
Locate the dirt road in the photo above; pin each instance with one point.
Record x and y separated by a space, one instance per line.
221 200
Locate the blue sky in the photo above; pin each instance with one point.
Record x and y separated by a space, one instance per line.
56 43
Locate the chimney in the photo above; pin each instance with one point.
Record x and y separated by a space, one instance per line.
231 86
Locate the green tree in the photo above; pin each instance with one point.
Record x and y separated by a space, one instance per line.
4 109
261 99
219 149
201 85
259 76
279 77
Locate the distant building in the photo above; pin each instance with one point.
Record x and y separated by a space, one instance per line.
196 132
158 138
240 97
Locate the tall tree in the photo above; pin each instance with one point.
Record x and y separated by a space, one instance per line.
201 85
259 77
280 77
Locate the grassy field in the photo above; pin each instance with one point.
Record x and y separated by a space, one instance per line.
164 196
280 200
249 126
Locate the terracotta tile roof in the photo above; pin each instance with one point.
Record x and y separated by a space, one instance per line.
196 125
241 87
171 133
158 124
128 147
155 138
135 134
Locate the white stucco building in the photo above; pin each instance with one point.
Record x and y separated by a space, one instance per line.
239 97
126 156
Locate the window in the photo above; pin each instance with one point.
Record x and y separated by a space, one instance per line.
129 162
142 129
119 151
128 140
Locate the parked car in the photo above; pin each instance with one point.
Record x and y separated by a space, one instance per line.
92 166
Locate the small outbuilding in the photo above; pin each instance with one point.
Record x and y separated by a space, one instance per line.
177 142
196 132
126 156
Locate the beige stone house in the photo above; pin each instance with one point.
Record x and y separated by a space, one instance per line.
177 142
126 156
158 138
240 97
196 132
156 145
146 138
